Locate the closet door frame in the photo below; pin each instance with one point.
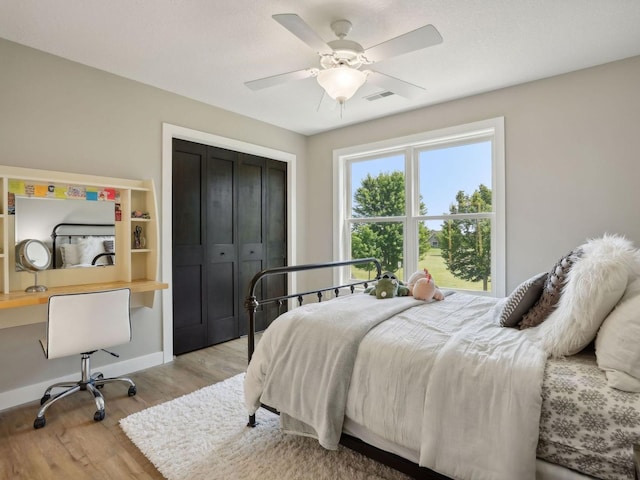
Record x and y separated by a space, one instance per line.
169 132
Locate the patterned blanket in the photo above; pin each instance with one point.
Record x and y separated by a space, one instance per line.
585 424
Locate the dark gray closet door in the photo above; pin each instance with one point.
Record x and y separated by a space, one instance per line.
229 222
189 253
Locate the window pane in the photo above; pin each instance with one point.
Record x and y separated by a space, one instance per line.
384 241
448 205
459 253
455 179
378 187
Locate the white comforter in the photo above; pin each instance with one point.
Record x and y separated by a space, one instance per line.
440 378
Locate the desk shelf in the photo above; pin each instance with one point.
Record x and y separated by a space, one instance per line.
140 289
132 266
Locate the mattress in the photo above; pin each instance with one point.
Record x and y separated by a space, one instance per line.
544 469
587 428
586 425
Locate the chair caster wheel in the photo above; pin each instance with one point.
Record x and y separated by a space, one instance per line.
100 377
98 416
39 422
44 399
132 391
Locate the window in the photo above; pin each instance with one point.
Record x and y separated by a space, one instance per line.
434 200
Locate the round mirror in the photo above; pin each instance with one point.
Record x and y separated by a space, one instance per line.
33 255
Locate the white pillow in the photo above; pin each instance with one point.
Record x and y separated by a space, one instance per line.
69 254
88 248
617 343
595 283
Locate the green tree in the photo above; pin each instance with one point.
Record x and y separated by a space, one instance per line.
466 244
382 196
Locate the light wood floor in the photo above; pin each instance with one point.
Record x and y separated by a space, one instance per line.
73 446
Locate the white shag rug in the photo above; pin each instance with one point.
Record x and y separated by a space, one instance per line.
203 435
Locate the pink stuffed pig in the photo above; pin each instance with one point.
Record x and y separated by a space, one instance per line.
422 286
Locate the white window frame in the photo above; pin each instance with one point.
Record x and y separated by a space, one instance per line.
491 129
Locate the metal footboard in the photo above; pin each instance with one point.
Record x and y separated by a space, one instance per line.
252 303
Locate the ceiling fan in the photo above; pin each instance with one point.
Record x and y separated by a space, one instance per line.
341 71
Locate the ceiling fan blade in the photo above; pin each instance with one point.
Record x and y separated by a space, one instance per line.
304 32
420 38
279 79
395 85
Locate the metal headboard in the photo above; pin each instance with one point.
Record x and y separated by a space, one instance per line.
75 230
252 303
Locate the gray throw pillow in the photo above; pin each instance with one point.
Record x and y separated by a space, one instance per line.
523 297
551 291
109 247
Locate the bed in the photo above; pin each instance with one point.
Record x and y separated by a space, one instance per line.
78 245
443 390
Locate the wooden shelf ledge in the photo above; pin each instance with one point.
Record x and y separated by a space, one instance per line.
24 299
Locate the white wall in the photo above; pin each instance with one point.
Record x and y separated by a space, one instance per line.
59 115
572 162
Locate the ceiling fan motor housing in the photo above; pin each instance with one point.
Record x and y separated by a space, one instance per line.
345 52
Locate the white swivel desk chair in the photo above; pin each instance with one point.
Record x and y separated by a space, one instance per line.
83 323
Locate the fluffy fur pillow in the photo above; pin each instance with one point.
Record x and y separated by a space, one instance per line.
89 247
617 350
523 297
595 283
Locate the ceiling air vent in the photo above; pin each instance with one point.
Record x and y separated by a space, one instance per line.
378 96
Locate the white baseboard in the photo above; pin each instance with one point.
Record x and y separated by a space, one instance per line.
33 392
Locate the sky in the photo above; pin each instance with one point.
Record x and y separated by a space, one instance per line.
443 172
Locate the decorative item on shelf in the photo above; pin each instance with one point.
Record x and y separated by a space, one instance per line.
33 256
138 240
11 204
118 211
140 214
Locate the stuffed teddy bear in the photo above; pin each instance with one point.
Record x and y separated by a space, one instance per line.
422 286
388 286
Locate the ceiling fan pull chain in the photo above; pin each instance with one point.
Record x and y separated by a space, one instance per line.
321 99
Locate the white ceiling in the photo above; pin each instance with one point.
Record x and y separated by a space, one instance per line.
207 49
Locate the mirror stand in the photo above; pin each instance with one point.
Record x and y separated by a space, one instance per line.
35 287
33 256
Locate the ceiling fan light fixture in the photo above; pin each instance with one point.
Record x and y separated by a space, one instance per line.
342 82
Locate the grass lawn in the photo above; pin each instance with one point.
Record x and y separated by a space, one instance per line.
443 278
436 266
